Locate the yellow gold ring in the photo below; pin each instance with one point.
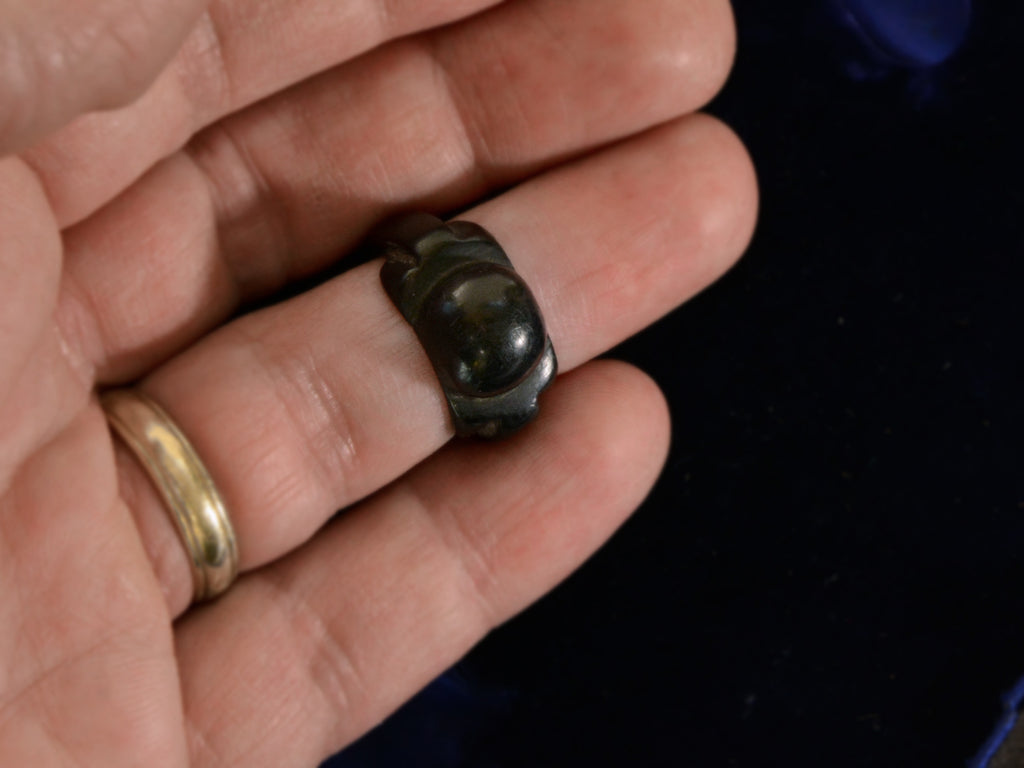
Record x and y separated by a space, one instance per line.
185 485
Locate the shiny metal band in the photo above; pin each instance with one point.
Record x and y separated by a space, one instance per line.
184 484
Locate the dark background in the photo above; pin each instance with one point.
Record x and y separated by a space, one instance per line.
829 573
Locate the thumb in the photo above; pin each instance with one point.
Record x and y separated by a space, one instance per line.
60 58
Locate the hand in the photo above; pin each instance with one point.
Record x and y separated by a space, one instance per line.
250 144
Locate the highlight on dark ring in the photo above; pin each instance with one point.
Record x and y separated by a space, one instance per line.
475 317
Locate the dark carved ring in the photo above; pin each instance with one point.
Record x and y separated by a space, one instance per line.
475 317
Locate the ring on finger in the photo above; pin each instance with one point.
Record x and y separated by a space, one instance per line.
183 483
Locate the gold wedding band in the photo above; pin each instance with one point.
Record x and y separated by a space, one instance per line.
184 484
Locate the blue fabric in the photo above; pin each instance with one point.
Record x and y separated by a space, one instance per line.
913 32
1011 712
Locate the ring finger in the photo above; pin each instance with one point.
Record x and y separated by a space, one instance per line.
308 406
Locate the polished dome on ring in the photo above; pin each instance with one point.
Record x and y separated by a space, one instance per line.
475 317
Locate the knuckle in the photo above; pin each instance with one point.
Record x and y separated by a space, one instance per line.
251 221
473 581
203 70
320 651
55 65
113 44
320 420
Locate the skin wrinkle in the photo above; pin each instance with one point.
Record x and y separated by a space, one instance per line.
71 346
16 80
55 732
413 132
329 664
200 749
567 115
295 371
204 76
105 644
217 154
15 612
35 640
25 318
335 445
443 556
603 456
505 70
120 45
282 491
312 647
55 725
385 17
51 380
430 556
473 562
42 674
478 155
99 334
321 202
126 32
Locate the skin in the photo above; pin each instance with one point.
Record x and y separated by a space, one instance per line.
167 163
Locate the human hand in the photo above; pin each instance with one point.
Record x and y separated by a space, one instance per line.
249 144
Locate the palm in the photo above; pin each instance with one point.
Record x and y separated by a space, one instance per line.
87 646
129 237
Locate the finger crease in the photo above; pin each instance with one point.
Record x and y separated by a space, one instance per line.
336 450
19 77
10 699
244 200
326 437
477 579
200 744
330 666
79 337
203 72
469 134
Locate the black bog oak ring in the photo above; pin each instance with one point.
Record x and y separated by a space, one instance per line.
475 317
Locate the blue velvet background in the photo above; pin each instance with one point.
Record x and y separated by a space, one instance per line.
830 570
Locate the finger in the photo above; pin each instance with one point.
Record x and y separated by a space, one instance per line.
61 59
29 267
275 194
30 262
308 406
328 642
239 52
